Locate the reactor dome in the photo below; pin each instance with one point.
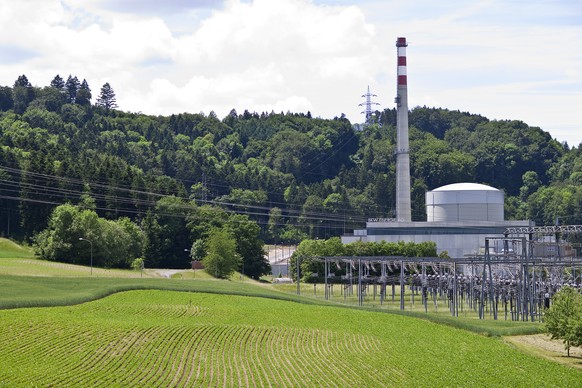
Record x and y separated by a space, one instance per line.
462 202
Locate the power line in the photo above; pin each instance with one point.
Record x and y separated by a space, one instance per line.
46 190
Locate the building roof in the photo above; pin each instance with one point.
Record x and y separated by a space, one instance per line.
465 187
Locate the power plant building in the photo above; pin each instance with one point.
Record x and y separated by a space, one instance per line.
459 216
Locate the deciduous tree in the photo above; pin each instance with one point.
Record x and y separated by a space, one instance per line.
564 318
221 260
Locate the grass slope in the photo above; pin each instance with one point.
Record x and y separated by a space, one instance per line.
29 282
25 291
11 249
161 338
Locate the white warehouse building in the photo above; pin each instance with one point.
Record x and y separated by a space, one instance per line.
459 218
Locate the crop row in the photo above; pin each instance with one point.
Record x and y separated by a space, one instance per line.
162 311
155 338
201 355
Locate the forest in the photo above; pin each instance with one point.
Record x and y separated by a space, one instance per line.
281 177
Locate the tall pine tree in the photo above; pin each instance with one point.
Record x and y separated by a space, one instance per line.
106 98
83 94
72 86
22 94
58 83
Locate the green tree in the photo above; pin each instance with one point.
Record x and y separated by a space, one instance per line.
311 215
531 183
198 250
293 234
6 98
167 232
107 98
275 223
50 98
58 83
221 260
564 318
71 87
113 243
249 247
83 96
22 94
138 264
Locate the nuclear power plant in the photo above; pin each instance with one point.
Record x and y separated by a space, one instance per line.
508 268
460 216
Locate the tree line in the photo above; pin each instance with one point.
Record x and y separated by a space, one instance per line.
292 175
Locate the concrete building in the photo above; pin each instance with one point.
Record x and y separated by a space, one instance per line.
460 216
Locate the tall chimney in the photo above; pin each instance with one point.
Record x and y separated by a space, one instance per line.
403 212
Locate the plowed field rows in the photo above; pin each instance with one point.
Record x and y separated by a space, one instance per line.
172 339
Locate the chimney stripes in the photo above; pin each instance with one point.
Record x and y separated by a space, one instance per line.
401 48
403 203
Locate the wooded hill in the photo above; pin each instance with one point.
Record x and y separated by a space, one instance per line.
297 176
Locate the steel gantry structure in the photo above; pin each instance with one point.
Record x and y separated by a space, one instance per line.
512 280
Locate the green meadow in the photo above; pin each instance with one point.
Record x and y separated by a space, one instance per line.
136 329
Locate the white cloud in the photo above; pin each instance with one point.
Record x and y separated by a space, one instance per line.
499 59
266 55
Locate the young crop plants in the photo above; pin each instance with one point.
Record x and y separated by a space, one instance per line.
165 338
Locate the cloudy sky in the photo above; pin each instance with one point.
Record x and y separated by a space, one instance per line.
504 59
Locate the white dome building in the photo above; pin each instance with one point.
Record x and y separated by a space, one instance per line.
464 202
459 218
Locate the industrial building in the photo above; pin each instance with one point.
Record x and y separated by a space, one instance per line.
460 216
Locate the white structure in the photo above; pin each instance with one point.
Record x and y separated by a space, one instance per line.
403 208
460 216
464 202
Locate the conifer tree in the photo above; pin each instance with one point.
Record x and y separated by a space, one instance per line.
71 87
106 98
22 81
83 94
22 94
58 83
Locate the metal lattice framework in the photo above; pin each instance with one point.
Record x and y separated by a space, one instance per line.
544 229
513 281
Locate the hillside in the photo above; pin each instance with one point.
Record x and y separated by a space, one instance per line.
296 176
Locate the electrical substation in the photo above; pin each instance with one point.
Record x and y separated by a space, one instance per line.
499 269
516 283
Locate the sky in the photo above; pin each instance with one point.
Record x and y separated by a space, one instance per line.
503 59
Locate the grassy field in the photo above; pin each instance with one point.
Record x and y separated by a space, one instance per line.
235 333
162 338
467 319
28 282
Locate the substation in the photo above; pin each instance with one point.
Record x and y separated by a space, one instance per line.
502 269
516 283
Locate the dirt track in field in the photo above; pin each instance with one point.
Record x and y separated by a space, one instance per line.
542 345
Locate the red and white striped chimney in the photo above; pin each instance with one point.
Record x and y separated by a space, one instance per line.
401 47
403 206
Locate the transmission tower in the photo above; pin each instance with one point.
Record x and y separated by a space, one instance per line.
368 104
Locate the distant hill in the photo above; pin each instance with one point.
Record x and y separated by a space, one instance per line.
296 175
